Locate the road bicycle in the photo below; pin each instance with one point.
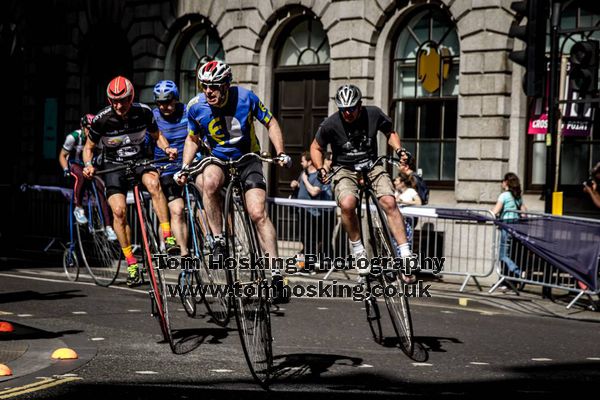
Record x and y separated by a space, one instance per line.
102 257
241 242
382 245
158 285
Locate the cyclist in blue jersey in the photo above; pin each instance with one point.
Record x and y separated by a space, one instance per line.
222 118
171 118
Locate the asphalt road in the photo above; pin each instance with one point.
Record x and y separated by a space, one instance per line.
323 348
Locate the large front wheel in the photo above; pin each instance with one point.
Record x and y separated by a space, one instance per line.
101 257
380 241
251 304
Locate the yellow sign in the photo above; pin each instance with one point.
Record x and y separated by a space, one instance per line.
429 66
557 203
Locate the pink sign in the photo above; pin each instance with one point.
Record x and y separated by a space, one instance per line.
570 127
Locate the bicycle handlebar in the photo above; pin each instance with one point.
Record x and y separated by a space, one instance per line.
133 164
199 166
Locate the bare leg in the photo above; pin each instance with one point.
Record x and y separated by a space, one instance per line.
159 201
349 217
395 220
210 183
179 224
119 208
255 202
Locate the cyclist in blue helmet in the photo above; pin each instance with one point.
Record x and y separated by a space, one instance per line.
171 117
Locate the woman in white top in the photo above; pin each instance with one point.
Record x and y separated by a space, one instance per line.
406 190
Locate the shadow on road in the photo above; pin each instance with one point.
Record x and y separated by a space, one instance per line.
525 381
28 295
293 366
186 340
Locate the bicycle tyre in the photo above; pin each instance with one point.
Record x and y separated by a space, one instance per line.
102 258
397 305
218 307
373 317
158 293
71 264
251 313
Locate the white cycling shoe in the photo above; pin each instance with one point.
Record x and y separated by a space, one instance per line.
362 264
80 217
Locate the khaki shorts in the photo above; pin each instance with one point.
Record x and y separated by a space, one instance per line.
345 183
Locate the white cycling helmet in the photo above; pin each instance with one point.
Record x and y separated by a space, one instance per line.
348 96
214 72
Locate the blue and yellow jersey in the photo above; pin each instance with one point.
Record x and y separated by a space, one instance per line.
174 129
228 130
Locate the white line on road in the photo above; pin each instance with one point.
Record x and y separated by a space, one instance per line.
221 371
447 312
24 315
322 308
146 372
79 312
593 358
134 310
96 339
478 363
541 359
422 365
365 366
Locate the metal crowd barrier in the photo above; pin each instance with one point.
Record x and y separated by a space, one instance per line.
533 269
466 245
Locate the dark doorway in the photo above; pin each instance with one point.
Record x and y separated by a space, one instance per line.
301 98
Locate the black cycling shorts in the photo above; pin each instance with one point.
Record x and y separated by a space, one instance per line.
116 182
170 188
251 175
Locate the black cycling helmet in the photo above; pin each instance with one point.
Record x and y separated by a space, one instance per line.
348 96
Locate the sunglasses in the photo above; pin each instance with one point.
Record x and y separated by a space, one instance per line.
164 102
349 109
212 86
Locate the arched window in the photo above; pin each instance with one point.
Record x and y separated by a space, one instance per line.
306 44
203 45
424 92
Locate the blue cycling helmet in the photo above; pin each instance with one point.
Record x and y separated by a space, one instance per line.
166 90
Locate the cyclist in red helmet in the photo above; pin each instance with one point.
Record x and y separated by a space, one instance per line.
121 129
72 165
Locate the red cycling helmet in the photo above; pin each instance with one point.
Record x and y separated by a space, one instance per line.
120 88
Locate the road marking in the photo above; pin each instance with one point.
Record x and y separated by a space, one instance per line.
146 372
220 371
447 312
479 363
541 359
365 366
34 278
45 383
134 310
322 308
181 309
79 312
24 315
593 358
280 309
96 339
5 313
422 365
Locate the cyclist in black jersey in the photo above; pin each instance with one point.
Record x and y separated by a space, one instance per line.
120 129
352 134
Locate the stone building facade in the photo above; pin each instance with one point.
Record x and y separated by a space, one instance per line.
467 129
